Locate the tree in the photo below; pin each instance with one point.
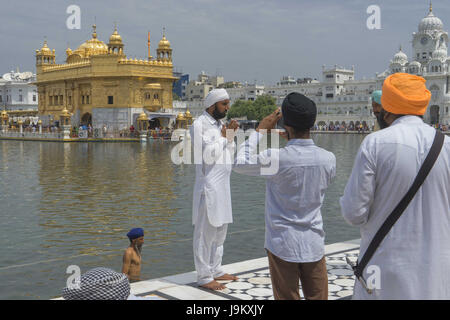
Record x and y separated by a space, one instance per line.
254 110
239 109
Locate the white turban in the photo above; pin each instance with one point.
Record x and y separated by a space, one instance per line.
214 96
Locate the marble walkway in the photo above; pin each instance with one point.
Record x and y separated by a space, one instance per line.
254 279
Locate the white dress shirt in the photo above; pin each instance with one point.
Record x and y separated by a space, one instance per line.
294 195
414 257
213 156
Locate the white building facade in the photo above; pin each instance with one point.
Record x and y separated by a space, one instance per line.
17 93
341 99
430 60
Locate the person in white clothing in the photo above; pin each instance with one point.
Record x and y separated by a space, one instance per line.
413 260
294 196
212 212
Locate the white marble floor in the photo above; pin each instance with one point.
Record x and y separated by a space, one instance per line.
254 279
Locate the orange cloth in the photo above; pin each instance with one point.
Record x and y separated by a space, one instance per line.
405 93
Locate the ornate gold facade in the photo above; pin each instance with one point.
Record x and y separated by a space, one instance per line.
99 76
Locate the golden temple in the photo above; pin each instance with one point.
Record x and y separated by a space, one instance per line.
99 85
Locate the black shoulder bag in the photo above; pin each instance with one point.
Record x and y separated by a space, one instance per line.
399 209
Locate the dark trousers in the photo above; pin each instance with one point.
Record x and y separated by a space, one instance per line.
285 278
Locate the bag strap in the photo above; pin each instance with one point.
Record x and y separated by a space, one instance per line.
403 204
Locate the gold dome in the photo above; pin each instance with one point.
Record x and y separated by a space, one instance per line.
45 49
187 114
92 47
164 43
4 114
65 113
180 116
68 51
142 117
115 37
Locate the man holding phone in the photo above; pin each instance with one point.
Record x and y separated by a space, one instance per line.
294 196
211 211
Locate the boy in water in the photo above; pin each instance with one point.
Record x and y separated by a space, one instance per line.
132 256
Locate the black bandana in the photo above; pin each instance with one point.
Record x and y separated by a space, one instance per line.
299 111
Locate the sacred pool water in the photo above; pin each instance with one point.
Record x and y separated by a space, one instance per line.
72 204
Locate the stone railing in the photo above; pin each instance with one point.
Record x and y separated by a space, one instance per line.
27 134
66 66
145 62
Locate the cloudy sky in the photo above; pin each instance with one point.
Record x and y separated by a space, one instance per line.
243 40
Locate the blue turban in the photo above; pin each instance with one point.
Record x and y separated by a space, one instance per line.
135 233
376 96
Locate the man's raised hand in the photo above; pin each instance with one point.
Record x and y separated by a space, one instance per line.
270 121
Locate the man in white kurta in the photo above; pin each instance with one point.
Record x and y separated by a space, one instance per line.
211 211
413 260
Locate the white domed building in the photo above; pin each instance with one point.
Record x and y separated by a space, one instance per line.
343 100
430 60
398 64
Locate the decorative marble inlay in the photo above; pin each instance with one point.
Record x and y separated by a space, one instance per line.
256 284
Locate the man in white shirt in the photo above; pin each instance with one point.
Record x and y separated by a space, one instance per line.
413 260
294 196
212 212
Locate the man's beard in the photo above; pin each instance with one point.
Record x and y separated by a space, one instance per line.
380 119
218 115
138 248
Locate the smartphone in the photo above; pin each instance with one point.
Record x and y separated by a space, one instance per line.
280 124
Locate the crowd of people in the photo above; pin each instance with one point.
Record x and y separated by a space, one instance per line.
358 127
87 131
33 127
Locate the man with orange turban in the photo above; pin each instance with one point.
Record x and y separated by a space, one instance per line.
413 259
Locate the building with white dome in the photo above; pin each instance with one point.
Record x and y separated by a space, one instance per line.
341 99
18 94
430 60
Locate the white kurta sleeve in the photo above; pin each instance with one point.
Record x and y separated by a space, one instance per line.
213 144
248 162
360 189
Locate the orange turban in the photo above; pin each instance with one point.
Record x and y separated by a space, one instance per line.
405 93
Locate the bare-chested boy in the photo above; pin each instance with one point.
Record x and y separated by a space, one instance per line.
132 256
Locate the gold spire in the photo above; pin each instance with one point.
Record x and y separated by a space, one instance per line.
45 48
94 33
148 44
164 43
115 37
431 7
